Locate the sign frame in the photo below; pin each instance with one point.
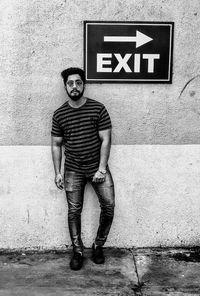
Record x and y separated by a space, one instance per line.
128 80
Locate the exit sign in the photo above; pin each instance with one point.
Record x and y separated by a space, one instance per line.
135 52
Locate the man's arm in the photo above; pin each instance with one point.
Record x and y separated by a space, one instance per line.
105 137
56 150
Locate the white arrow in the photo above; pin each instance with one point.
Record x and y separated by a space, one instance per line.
140 39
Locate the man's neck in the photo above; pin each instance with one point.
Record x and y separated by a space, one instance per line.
78 103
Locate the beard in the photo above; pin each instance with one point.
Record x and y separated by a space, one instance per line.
75 95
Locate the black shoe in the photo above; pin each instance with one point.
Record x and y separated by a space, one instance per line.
76 262
97 254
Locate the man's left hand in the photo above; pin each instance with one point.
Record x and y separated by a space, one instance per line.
99 177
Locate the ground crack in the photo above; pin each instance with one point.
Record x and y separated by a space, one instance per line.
137 288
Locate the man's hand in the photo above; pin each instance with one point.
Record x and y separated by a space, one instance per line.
99 177
59 181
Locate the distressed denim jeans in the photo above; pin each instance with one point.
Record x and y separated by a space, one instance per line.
74 187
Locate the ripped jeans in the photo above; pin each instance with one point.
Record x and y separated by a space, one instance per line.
74 187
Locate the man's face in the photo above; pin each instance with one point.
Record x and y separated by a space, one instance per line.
74 87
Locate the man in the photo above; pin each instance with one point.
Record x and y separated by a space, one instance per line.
83 125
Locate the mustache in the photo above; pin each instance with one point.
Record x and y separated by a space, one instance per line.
75 90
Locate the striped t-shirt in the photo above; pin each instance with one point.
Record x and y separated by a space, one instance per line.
79 128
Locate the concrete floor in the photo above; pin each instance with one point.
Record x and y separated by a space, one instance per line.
126 272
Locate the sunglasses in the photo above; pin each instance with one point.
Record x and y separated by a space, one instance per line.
78 83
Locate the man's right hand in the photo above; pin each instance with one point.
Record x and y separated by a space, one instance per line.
59 181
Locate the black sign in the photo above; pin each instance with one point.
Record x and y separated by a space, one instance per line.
128 52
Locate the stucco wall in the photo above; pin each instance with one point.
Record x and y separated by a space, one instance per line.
156 131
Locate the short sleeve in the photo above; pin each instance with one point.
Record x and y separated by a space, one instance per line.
104 120
56 130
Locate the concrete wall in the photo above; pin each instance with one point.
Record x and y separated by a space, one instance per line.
155 157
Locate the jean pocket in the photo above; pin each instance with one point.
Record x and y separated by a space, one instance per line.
72 181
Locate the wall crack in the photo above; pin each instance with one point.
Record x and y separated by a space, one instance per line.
187 83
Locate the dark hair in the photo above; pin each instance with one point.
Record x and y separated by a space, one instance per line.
71 71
